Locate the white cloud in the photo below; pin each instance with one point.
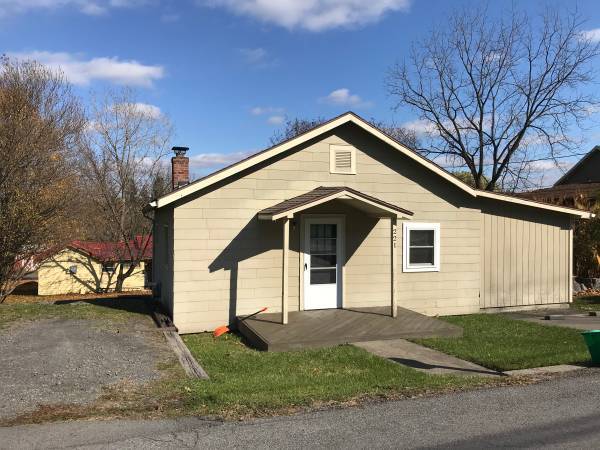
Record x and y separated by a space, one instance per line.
204 161
592 35
419 126
152 111
276 114
90 7
170 17
257 57
549 164
312 15
260 110
343 97
111 69
276 120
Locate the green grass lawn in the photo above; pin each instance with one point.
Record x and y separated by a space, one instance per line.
587 303
112 309
248 382
497 342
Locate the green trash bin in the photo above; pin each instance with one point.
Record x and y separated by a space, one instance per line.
592 339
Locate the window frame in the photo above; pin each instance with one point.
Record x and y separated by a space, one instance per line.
106 267
406 229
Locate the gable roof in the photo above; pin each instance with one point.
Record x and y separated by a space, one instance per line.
577 165
348 117
115 251
105 251
324 194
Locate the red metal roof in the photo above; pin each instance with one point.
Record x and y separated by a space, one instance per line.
116 251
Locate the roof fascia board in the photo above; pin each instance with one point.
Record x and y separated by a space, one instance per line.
333 196
520 201
577 164
274 151
307 205
392 211
253 160
414 156
315 132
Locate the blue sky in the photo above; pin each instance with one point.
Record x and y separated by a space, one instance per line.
228 71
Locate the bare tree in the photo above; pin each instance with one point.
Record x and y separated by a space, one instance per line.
297 126
496 93
294 127
40 125
124 169
405 136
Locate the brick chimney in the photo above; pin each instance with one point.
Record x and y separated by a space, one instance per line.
180 167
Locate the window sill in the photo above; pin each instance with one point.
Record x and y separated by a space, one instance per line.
420 269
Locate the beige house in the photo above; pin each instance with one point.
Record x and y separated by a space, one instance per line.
85 267
343 216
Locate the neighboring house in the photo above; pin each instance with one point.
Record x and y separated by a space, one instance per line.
579 186
343 216
83 267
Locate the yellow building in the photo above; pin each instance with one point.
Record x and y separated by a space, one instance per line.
87 267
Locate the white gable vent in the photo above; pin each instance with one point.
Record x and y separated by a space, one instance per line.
342 159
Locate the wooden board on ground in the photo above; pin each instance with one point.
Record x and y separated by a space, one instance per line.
189 364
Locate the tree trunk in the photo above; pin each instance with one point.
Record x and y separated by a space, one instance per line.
120 281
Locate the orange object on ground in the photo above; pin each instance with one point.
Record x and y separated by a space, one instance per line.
219 331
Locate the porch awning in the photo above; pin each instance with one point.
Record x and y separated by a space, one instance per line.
369 204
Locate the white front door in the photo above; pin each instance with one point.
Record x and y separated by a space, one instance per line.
323 244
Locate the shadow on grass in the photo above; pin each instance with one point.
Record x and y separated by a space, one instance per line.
415 364
143 305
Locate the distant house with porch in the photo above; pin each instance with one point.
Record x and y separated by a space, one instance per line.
83 267
579 186
345 217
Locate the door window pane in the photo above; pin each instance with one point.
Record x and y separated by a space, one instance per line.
322 276
323 260
322 245
323 230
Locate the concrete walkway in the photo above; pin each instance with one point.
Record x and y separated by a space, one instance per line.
561 368
424 359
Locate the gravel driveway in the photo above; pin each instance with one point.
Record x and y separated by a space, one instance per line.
64 361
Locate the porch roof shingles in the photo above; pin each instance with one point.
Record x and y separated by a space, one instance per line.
321 193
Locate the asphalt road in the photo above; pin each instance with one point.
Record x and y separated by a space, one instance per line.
561 413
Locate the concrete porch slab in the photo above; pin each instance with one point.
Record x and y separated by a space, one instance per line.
424 359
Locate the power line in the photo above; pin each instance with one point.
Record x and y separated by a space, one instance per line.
527 161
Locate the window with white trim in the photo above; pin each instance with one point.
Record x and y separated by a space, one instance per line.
421 250
342 159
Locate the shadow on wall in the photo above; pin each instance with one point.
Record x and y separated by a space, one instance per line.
61 270
258 237
254 239
77 273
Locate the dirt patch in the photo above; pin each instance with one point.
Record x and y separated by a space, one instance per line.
66 361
